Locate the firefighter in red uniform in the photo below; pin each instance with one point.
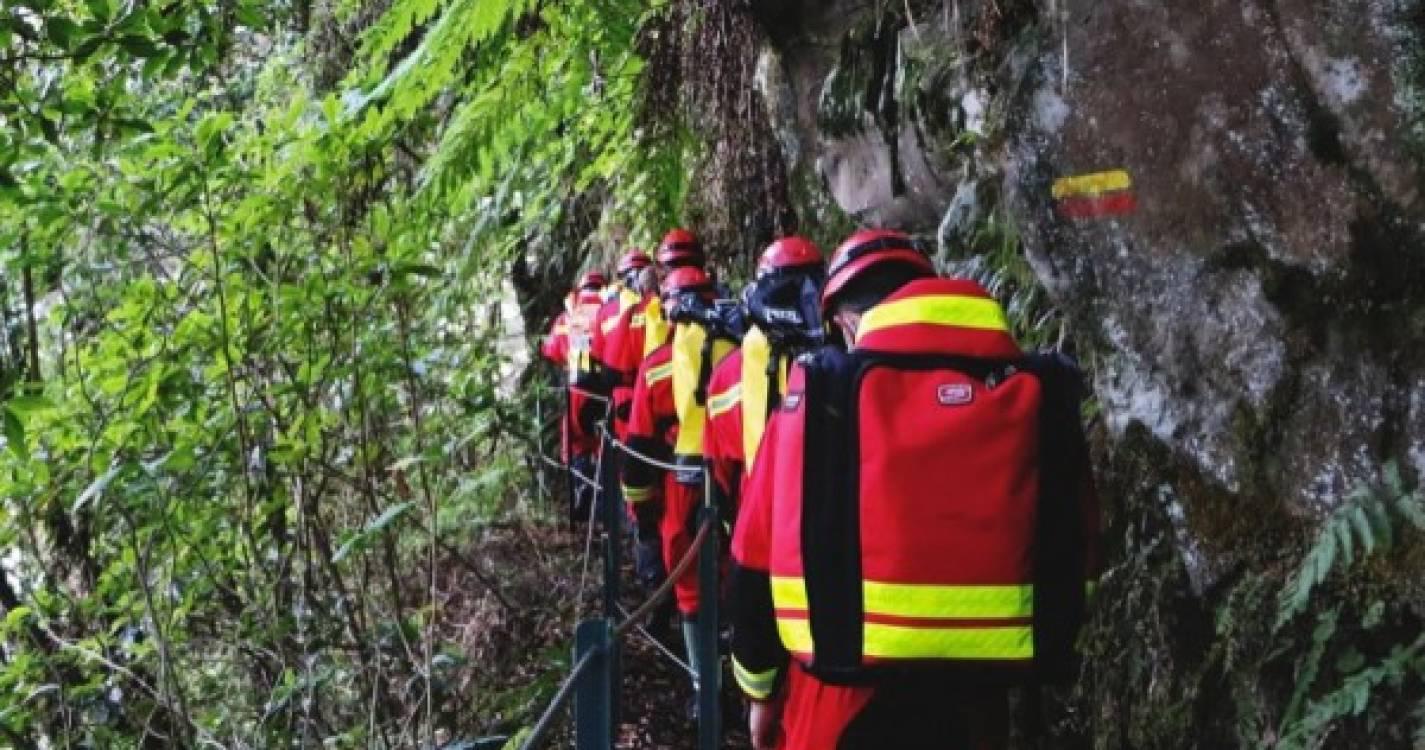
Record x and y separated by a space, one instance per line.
917 530
580 419
646 331
618 332
679 249
555 347
783 305
666 423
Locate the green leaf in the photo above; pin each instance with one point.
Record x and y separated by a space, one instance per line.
389 516
60 31
29 404
141 47
1362 524
212 127
100 10
15 435
359 540
95 488
415 269
16 617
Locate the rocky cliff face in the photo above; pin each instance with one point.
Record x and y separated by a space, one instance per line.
1226 199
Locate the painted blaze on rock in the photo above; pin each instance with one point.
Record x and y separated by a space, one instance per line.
1251 302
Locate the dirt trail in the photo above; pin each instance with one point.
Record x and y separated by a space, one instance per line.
519 653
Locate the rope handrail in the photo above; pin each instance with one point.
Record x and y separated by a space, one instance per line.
655 463
657 644
561 697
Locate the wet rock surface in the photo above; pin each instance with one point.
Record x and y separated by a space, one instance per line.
1227 202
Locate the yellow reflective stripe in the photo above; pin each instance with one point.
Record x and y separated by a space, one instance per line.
637 320
795 635
661 372
902 642
922 600
789 592
757 685
636 494
944 310
964 602
1094 184
724 401
905 642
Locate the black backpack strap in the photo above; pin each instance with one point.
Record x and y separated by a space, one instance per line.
1059 566
831 527
774 382
705 367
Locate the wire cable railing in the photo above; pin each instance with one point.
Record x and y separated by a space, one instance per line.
619 621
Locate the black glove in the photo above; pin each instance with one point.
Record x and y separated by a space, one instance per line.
648 562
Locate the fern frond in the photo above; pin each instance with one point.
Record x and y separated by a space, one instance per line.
394 26
1310 665
1364 523
1351 698
431 67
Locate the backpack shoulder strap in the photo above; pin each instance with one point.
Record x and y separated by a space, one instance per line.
1059 546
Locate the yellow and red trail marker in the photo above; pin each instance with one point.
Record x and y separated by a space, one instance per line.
1096 195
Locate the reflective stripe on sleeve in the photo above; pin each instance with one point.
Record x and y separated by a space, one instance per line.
659 373
757 685
636 494
723 402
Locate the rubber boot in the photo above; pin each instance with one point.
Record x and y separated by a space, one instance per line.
690 643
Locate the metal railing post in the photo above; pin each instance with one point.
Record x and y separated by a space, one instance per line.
709 665
612 505
593 728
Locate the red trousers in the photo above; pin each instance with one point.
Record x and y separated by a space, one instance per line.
577 439
820 716
678 527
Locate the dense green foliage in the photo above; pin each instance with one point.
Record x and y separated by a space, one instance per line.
264 392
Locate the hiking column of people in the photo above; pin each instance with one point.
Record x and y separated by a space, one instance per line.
913 522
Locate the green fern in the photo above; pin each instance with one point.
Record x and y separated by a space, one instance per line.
1353 696
1362 526
432 67
1310 664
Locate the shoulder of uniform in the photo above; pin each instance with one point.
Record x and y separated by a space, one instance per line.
664 352
727 373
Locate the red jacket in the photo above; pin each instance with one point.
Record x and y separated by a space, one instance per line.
555 347
722 438
618 336
944 474
652 428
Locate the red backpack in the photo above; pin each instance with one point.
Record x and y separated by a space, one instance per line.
956 483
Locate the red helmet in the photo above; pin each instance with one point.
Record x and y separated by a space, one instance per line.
633 260
686 279
789 252
593 280
680 248
867 249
